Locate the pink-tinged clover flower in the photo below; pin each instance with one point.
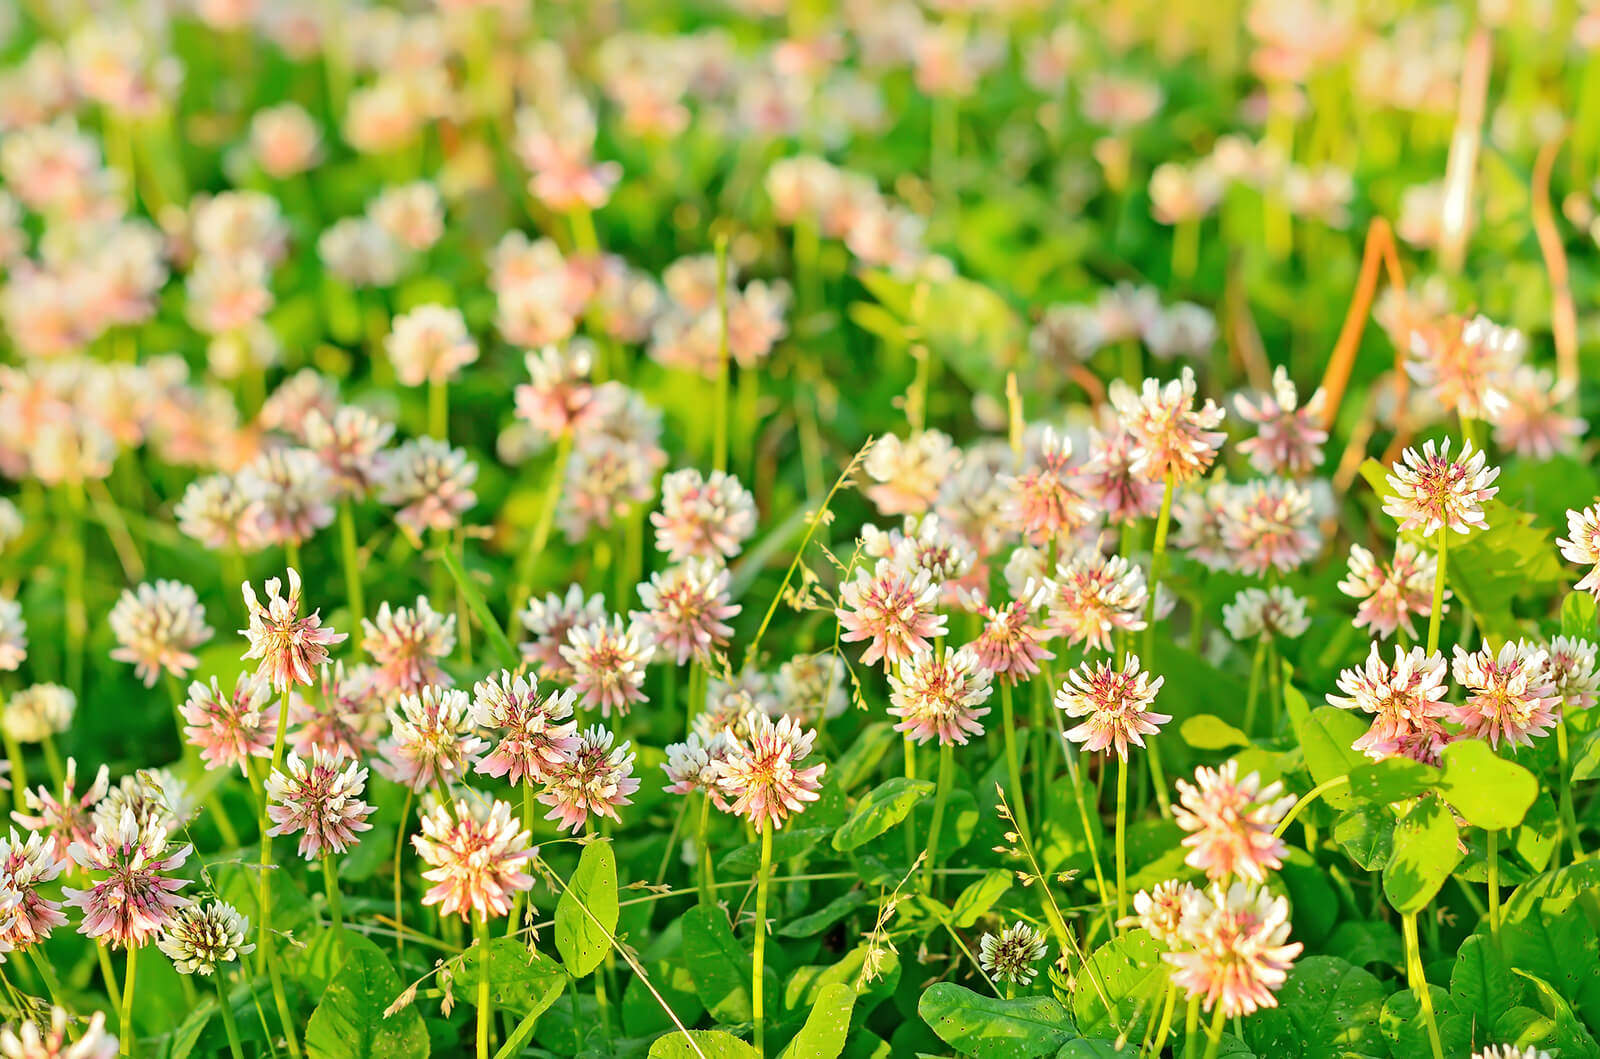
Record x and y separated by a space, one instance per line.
596 778
1108 476
696 765
1011 645
550 620
1043 502
764 775
1510 694
1093 594
431 739
558 398
686 610
477 855
288 647
703 517
1160 911
66 819
607 661
940 695
431 484
1237 950
907 474
1432 491
1573 672
430 344
345 720
1288 438
891 608
1466 364
229 728
1393 593
1582 546
136 897
25 866
158 625
1116 704
1257 612
406 644
28 1041
1268 525
1533 422
320 798
1230 823
1405 699
1172 437
529 738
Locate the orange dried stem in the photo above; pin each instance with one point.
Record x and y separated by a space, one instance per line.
1379 250
1563 314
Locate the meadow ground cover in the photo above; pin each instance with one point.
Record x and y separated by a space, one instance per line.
998 528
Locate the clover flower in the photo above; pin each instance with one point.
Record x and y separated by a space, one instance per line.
1511 1051
1230 823
940 695
1160 911
703 517
322 799
291 495
201 938
1257 612
1011 645
810 687
686 610
550 620
696 765
406 644
429 344
345 719
217 512
1391 594
39 712
1116 703
762 772
350 444
1465 364
1510 694
1432 491
1573 672
66 819
1268 524
1093 594
1288 438
1405 699
1533 423
925 543
1042 502
155 797
607 662
477 854
558 397
892 608
595 778
907 474
227 729
1582 546
287 646
431 740
1172 437
1012 955
25 866
137 897
1238 953
27 1041
430 483
1108 478
530 739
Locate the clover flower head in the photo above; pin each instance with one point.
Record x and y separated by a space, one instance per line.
1115 702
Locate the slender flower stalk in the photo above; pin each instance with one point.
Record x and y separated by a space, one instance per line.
758 958
1158 566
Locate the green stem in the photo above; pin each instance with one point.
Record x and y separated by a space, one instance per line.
514 921
399 848
1191 1029
1122 839
228 1022
910 749
485 1012
1165 1026
47 975
1254 694
330 884
1569 817
1214 1034
757 999
719 444
77 611
1494 887
108 974
1419 981
947 768
351 555
439 409
19 767
127 1037
541 531
1312 795
703 848
1438 590
1158 566
1008 728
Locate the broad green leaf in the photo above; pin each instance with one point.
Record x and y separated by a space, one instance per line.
1425 854
790 842
1133 974
1083 1048
1586 757
1487 790
1577 615
1401 1023
1561 951
974 902
713 1044
642 1013
586 913
823 918
1480 983
805 985
988 1027
520 979
1394 779
868 748
480 610
1366 834
823 1035
1208 732
187 1035
1551 893
880 809
719 964
1327 1009
1325 735
1567 1036
349 1022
